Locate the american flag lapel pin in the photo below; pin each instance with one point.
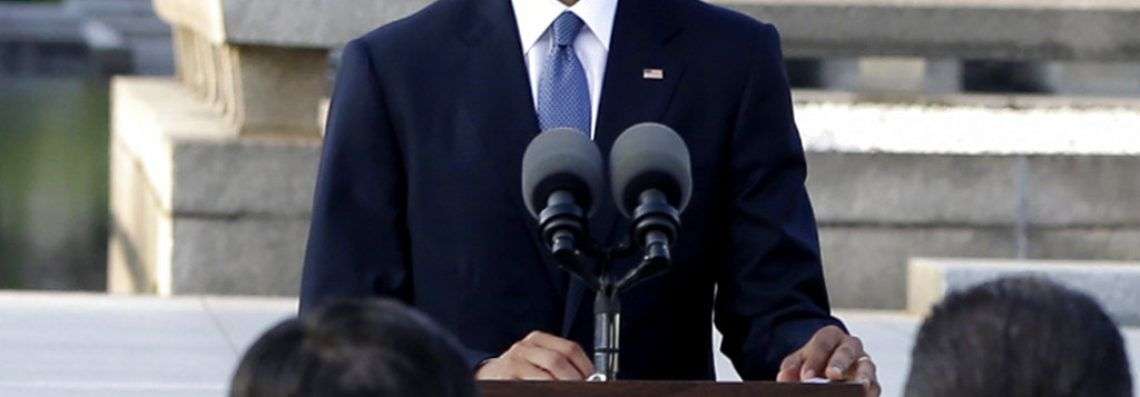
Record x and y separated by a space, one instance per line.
653 74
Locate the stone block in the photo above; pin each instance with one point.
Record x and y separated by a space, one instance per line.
1091 191
261 90
245 177
865 266
197 209
194 163
912 188
273 91
1088 243
1112 284
136 219
245 256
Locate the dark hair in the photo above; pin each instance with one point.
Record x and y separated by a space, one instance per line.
273 365
1018 337
355 348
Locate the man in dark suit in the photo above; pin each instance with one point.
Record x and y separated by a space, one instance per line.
418 196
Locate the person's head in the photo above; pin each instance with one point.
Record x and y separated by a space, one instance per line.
354 348
1019 337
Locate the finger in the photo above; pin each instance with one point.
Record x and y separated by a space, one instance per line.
566 347
843 358
818 351
790 368
865 373
494 370
551 361
522 370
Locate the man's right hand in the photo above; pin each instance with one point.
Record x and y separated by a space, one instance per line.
539 356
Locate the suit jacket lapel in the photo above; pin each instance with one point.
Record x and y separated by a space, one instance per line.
643 30
506 109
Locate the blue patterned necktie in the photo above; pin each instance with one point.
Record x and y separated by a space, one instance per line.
563 94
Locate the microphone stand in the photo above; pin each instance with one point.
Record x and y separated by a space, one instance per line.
654 225
607 287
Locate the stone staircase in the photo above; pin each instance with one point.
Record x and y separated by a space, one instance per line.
966 176
212 181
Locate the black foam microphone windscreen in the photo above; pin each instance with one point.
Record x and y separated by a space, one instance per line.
561 159
650 156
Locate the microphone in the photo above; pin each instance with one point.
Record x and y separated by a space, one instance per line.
561 179
652 182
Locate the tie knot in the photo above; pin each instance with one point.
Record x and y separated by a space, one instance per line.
566 28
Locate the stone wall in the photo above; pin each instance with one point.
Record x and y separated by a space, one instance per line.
213 171
195 211
966 176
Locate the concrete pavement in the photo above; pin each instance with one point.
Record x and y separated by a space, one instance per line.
54 344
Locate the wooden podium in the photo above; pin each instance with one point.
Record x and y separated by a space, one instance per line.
667 389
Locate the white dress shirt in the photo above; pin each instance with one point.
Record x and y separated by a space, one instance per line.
592 46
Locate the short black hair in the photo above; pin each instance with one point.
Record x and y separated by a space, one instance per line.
274 364
355 348
1020 336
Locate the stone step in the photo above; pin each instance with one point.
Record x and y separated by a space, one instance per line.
1112 284
878 205
965 176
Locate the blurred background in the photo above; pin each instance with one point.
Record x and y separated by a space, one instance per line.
57 58
165 151
56 61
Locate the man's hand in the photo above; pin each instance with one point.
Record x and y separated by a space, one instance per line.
834 355
539 356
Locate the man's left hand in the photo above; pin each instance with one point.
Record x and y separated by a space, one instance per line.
834 355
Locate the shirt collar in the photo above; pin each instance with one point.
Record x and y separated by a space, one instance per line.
535 16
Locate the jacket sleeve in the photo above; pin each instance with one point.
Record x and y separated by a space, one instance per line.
771 296
358 240
358 237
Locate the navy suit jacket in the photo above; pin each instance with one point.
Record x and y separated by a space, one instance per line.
418 196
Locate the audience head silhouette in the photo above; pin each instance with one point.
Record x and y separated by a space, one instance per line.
354 348
1019 337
